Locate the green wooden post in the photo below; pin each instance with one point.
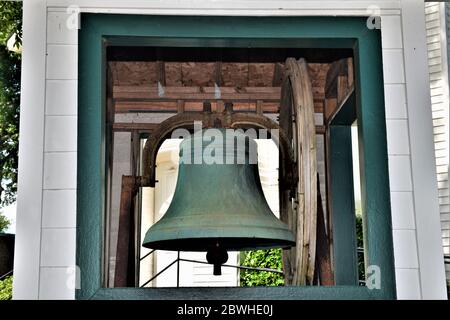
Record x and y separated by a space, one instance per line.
343 206
90 163
377 225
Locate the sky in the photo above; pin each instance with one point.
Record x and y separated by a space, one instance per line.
10 213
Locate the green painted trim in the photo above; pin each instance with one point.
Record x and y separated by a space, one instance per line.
90 164
98 30
229 42
324 32
343 206
255 293
342 191
375 191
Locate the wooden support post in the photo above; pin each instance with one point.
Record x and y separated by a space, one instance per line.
330 106
259 107
180 106
229 107
218 73
125 259
278 75
220 106
342 88
207 107
324 272
161 72
350 75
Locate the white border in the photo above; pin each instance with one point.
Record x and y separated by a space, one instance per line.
429 242
31 152
28 239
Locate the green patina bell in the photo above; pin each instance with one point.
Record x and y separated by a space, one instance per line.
218 203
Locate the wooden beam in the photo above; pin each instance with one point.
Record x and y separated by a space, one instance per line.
217 106
320 129
149 127
342 88
338 69
330 107
171 92
133 93
127 126
319 106
339 83
338 107
143 106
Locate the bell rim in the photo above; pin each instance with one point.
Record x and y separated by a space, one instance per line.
202 244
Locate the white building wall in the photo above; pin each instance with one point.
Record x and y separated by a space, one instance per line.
446 217
43 252
402 199
439 86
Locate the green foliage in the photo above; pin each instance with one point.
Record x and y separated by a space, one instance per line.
9 124
4 223
11 21
6 288
262 259
10 63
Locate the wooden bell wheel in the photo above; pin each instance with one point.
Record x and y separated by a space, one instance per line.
298 184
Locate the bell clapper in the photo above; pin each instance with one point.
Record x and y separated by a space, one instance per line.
217 256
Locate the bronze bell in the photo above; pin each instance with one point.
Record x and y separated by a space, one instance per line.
218 203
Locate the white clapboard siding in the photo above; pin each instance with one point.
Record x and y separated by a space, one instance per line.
437 21
446 222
